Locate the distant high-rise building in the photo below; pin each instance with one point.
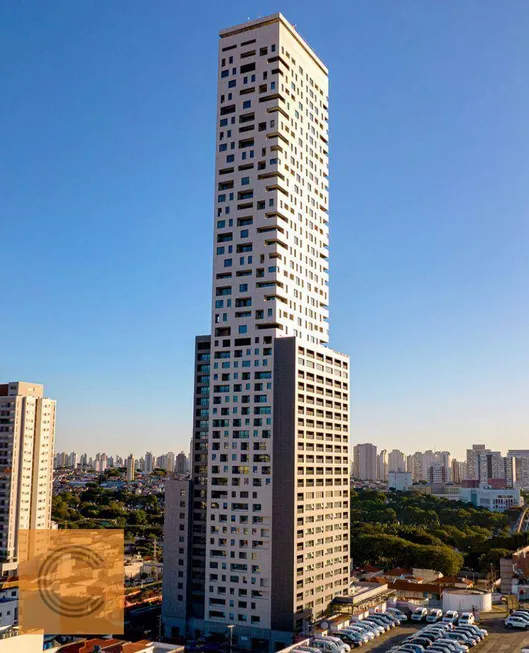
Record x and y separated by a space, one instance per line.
429 458
458 471
445 459
131 468
27 434
437 474
149 462
170 462
382 465
101 462
272 482
181 463
521 467
396 461
492 465
60 460
365 462
417 473
473 461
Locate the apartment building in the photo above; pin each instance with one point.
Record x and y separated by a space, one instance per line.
396 461
382 465
494 466
473 460
366 464
27 434
259 533
519 463
131 468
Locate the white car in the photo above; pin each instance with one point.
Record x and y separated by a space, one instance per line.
327 645
466 619
419 614
434 615
513 621
355 630
451 617
342 645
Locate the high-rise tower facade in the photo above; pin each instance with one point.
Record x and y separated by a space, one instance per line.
263 521
27 434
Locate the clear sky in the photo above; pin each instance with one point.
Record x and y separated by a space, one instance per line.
106 185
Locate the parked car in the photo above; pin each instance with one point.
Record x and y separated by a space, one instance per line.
521 613
385 627
514 621
398 613
425 642
374 628
451 617
353 638
471 630
466 619
456 647
329 646
344 646
461 638
419 614
411 648
383 619
434 615
367 632
478 629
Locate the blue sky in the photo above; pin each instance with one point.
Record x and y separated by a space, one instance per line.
106 185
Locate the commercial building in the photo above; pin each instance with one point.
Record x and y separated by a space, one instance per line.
366 465
259 533
27 435
490 498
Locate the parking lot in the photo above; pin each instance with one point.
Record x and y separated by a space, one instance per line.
500 639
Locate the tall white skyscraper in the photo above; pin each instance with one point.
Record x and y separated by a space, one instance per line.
263 523
27 434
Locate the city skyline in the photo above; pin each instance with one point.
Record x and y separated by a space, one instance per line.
429 276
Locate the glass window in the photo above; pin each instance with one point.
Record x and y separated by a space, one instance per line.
246 104
243 329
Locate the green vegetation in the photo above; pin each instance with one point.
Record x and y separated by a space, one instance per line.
410 529
96 507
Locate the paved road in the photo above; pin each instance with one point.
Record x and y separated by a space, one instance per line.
500 639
